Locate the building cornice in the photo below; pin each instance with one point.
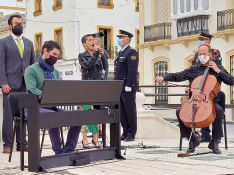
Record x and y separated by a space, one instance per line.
224 34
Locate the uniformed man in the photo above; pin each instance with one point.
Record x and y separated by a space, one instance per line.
126 65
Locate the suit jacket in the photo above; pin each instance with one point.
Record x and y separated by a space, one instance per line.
12 66
126 65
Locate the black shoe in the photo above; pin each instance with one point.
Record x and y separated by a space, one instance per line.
129 139
194 142
96 144
214 146
85 145
25 148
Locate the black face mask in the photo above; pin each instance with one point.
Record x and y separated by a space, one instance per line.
51 60
17 30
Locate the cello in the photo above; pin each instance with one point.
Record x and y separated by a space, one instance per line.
199 110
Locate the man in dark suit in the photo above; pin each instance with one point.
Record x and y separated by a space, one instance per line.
205 38
126 65
16 54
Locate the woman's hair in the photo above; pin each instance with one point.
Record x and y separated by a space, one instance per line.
84 38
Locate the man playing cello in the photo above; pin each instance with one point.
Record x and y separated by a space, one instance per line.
204 54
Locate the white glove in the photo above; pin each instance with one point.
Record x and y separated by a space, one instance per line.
128 89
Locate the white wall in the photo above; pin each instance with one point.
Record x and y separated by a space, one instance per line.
122 16
77 19
49 20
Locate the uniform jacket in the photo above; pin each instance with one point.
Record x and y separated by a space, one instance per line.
92 66
126 65
12 66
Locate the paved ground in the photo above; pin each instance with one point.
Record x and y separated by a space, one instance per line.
159 157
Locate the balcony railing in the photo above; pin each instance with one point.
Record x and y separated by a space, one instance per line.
225 20
157 32
192 25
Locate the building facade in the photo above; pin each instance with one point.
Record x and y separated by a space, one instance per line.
170 40
12 6
66 21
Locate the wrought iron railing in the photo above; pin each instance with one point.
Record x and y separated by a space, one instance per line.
157 32
161 92
192 25
225 20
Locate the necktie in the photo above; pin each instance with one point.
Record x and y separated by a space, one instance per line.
20 47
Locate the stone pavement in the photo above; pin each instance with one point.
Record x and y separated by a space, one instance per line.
159 157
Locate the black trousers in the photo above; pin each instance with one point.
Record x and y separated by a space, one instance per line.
7 124
128 114
217 129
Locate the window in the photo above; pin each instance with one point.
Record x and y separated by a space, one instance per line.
107 40
205 4
161 68
58 37
137 4
175 8
38 44
105 4
188 8
232 73
37 7
182 6
57 4
195 5
188 5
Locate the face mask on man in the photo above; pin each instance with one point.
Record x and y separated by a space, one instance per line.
51 60
203 59
17 30
120 42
